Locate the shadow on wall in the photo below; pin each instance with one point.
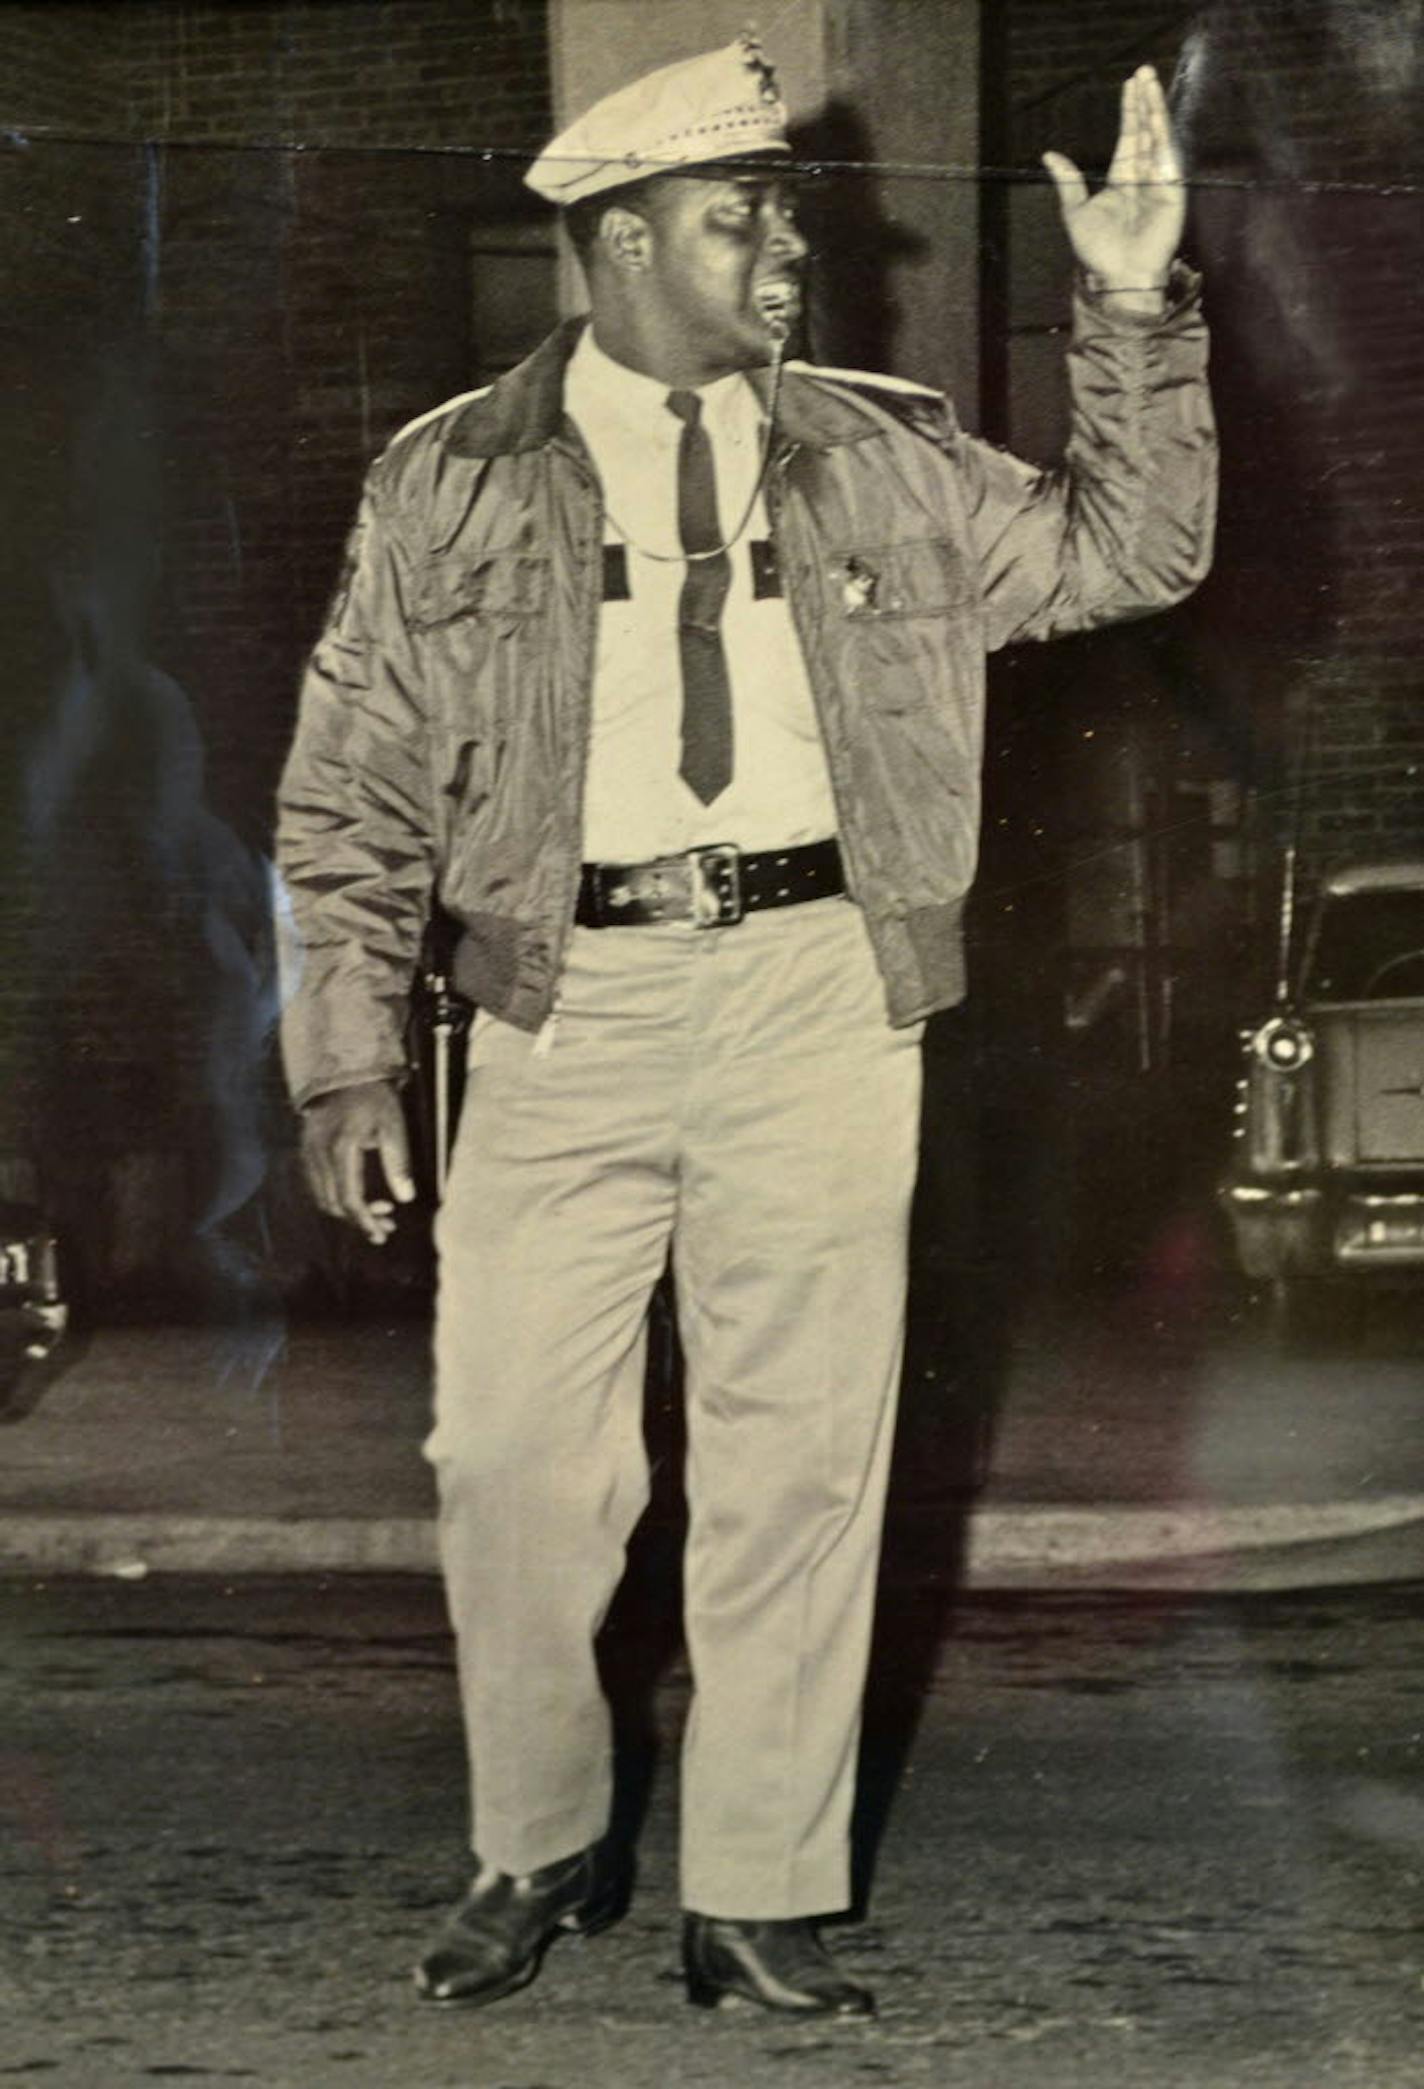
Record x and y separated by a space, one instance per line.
855 244
147 916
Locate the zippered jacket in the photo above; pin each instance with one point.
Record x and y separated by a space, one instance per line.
444 723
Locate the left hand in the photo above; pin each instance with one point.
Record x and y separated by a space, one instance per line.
1129 232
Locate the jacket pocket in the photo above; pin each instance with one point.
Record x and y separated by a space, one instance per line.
899 606
908 624
502 587
481 636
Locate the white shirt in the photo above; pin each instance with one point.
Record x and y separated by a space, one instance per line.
635 804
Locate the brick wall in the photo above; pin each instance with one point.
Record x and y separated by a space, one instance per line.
64 68
344 73
1320 107
313 300
252 269
1303 125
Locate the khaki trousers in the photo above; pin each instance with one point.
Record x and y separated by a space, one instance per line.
738 1095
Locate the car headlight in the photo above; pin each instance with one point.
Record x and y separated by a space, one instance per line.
1283 1044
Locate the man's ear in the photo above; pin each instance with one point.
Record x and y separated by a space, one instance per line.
627 239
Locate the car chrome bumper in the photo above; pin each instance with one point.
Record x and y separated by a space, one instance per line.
1380 1228
1306 1228
1259 1196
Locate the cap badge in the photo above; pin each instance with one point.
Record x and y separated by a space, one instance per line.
756 61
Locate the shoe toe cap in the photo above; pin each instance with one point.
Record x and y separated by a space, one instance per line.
446 1973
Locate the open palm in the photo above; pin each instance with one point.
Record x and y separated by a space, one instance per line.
1128 233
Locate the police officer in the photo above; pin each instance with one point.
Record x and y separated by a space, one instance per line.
660 662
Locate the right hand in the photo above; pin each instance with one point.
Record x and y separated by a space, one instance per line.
338 1131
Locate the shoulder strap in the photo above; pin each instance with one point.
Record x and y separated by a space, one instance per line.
918 407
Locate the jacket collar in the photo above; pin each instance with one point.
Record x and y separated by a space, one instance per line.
524 409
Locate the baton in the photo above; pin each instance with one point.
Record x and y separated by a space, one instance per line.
442 1107
450 1016
442 1030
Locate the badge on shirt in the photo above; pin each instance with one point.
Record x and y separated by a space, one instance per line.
615 574
860 587
766 574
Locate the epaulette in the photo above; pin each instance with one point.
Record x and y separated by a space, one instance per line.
870 380
436 413
918 407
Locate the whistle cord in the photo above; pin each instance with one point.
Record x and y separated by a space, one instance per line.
716 551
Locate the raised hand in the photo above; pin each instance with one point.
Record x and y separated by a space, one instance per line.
1128 233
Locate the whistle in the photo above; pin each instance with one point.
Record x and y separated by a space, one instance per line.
774 308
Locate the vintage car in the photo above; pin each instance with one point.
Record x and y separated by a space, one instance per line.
34 1313
1327 1174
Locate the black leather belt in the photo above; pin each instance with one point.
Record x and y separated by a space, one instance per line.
709 888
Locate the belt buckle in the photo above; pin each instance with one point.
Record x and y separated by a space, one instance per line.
716 885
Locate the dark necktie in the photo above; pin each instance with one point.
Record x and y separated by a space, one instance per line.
706 694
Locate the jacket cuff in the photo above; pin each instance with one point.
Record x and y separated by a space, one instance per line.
1180 293
316 1091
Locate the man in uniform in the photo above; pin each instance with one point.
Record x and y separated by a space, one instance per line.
661 666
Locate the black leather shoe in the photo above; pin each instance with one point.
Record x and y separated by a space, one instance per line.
495 1941
782 1965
